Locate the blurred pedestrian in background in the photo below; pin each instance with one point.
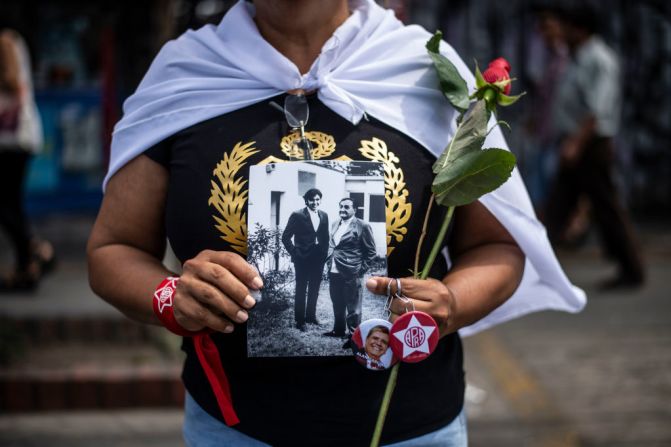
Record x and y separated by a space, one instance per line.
587 116
20 137
548 60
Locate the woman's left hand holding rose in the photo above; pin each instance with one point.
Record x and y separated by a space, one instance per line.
428 295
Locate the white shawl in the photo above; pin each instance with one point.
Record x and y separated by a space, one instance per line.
372 64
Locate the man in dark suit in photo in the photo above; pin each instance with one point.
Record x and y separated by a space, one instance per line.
351 251
306 238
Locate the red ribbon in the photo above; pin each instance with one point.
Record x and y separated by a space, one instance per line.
208 355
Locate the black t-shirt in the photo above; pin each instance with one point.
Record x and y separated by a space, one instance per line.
310 400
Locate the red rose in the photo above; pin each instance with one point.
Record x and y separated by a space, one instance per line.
501 63
496 74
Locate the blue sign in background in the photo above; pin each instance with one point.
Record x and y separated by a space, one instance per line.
66 174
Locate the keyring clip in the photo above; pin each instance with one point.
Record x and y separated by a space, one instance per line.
404 299
386 312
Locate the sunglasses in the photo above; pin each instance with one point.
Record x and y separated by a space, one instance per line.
297 112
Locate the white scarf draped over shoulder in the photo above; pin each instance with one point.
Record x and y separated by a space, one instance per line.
373 65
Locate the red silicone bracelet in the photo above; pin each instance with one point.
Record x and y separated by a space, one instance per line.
164 310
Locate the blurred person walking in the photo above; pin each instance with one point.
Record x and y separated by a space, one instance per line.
542 131
548 59
20 137
587 116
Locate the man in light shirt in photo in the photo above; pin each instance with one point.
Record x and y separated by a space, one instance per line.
351 250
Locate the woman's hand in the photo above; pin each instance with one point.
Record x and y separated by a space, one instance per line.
428 295
213 291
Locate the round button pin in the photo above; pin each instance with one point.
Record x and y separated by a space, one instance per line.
414 336
371 344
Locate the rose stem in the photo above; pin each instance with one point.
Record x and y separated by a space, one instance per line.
391 382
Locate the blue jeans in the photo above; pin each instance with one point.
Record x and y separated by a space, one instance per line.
202 430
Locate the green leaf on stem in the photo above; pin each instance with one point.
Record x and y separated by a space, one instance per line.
502 84
452 84
470 136
479 80
433 45
473 175
505 100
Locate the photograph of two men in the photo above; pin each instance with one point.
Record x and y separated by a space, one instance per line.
316 231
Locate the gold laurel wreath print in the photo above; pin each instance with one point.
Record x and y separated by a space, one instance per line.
229 197
398 210
325 145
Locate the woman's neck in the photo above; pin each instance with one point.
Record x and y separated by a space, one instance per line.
299 28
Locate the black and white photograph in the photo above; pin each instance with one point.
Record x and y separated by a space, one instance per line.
316 232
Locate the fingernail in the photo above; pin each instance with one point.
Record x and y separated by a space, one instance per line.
249 302
371 283
228 329
241 316
257 282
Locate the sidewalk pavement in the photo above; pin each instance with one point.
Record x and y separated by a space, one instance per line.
593 379
127 428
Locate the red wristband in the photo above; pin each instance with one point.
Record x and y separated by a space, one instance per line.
164 310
